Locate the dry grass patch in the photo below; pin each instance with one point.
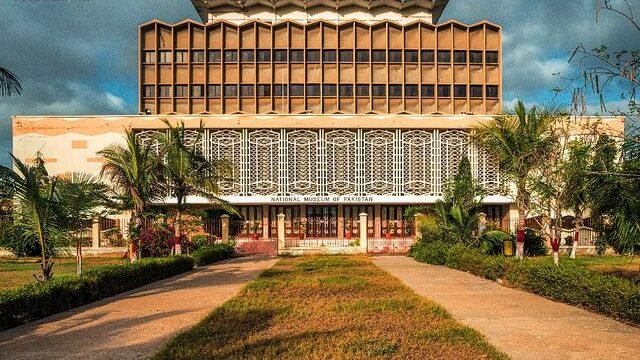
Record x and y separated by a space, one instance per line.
321 307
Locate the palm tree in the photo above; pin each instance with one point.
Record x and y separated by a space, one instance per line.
9 83
519 141
132 170
187 172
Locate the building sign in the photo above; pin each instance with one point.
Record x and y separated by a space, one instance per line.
322 199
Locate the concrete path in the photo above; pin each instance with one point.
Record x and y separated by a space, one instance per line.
136 324
521 324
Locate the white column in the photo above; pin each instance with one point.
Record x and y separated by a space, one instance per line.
224 219
281 231
363 232
95 232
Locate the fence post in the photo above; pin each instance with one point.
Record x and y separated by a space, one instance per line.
224 221
95 232
280 231
416 226
363 232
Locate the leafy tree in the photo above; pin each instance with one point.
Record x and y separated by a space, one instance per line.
9 83
576 182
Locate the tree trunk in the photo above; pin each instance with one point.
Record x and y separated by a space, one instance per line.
78 257
520 235
178 233
576 238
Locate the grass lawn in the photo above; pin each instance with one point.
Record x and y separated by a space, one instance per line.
17 272
324 307
623 266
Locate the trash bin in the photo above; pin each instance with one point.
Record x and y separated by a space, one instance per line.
507 247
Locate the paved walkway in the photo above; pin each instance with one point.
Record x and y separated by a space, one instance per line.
521 324
132 325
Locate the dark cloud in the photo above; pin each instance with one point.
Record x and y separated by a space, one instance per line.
80 57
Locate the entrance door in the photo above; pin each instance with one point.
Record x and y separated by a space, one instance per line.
322 221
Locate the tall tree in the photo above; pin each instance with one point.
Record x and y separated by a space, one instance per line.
132 169
576 181
9 83
520 141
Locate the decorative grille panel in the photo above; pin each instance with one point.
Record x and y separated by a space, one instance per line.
341 162
454 145
417 152
263 162
226 145
378 162
302 164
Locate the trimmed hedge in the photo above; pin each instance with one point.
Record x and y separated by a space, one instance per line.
37 300
568 282
212 253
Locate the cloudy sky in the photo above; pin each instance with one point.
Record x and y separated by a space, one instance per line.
80 57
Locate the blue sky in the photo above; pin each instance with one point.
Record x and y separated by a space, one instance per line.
80 57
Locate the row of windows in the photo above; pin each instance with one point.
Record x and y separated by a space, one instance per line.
346 90
312 55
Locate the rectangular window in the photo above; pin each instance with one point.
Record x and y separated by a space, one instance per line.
231 56
197 91
213 56
345 56
280 56
230 90
263 90
213 91
313 56
247 56
460 57
182 57
264 56
362 89
492 91
197 56
298 89
427 56
460 91
246 90
379 90
444 90
444 56
165 57
428 91
492 57
411 56
378 56
411 90
149 91
395 56
475 57
165 90
328 90
296 55
362 56
346 90
329 55
475 91
395 90
182 90
149 57
279 90
312 89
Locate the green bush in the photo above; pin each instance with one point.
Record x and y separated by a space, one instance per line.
533 244
212 253
492 242
37 300
567 282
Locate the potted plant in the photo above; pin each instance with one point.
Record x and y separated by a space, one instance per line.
347 229
254 230
390 228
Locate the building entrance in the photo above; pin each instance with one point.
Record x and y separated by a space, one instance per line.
322 221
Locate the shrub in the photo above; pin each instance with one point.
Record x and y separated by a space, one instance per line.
492 242
198 242
533 244
37 300
156 240
430 252
212 253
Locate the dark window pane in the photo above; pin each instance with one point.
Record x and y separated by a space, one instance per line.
428 91
247 56
346 90
411 56
182 90
329 55
165 90
280 55
230 56
263 90
492 57
197 56
444 90
197 91
312 89
460 57
411 90
460 91
378 56
475 57
149 91
298 90
279 90
230 90
296 55
395 90
264 55
362 90
395 56
313 56
213 91
444 56
427 56
492 91
475 91
362 56
213 56
378 90
328 90
246 90
346 56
